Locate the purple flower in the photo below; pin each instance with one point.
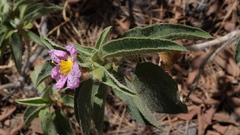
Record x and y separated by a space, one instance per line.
67 70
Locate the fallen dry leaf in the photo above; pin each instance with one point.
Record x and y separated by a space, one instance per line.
219 128
7 110
36 126
208 115
192 111
223 117
232 130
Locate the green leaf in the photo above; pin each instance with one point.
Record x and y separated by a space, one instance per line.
103 37
45 72
36 101
22 9
237 53
168 31
9 34
157 89
40 9
2 37
46 95
111 81
97 74
35 38
95 89
47 124
50 44
16 3
68 100
30 113
84 49
138 46
98 108
82 105
34 76
4 9
62 123
16 48
135 105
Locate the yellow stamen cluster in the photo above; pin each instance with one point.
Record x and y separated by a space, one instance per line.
65 67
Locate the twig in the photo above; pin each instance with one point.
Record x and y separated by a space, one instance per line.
208 59
14 86
29 61
7 86
218 41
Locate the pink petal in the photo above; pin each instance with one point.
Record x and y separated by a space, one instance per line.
61 82
56 73
57 55
73 77
73 51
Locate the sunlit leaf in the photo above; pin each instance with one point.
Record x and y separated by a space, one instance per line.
36 101
103 37
39 10
85 49
138 46
16 3
50 44
35 38
168 31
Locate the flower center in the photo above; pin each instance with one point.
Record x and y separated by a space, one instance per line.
65 66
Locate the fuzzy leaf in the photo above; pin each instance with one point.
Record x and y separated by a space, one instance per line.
47 124
157 89
237 53
67 100
111 81
85 49
103 37
45 72
16 3
135 105
168 31
98 108
47 93
62 123
138 46
16 48
50 44
82 105
35 38
34 76
39 10
36 101
30 113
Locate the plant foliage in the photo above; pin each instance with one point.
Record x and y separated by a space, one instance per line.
151 89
